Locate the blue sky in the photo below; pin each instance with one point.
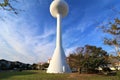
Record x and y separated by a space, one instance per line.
30 36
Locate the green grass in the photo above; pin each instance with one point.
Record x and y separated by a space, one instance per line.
41 75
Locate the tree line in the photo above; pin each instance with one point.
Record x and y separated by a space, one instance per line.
19 66
89 58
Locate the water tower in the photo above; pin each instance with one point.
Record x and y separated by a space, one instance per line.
58 63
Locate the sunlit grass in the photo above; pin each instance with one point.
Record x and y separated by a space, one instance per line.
42 75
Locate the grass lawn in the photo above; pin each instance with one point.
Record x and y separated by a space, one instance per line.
41 75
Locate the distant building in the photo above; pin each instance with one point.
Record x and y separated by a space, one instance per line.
117 64
49 60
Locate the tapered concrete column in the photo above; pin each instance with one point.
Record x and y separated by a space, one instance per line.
59 36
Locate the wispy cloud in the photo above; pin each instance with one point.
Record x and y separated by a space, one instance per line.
22 46
30 36
22 41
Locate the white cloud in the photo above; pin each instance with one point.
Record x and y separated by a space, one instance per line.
24 47
21 40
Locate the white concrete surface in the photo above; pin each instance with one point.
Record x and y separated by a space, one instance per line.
58 63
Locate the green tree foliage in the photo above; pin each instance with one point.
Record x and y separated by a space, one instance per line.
113 29
34 66
7 5
45 65
88 58
3 66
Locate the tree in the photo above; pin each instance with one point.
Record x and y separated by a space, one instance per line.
113 29
3 66
34 66
76 59
6 5
44 66
88 58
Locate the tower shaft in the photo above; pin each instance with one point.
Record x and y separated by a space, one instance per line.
58 63
59 36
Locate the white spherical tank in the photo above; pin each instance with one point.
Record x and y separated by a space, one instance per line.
59 7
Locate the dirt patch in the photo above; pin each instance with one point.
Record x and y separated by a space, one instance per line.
77 76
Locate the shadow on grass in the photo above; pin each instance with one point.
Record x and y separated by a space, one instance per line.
8 74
